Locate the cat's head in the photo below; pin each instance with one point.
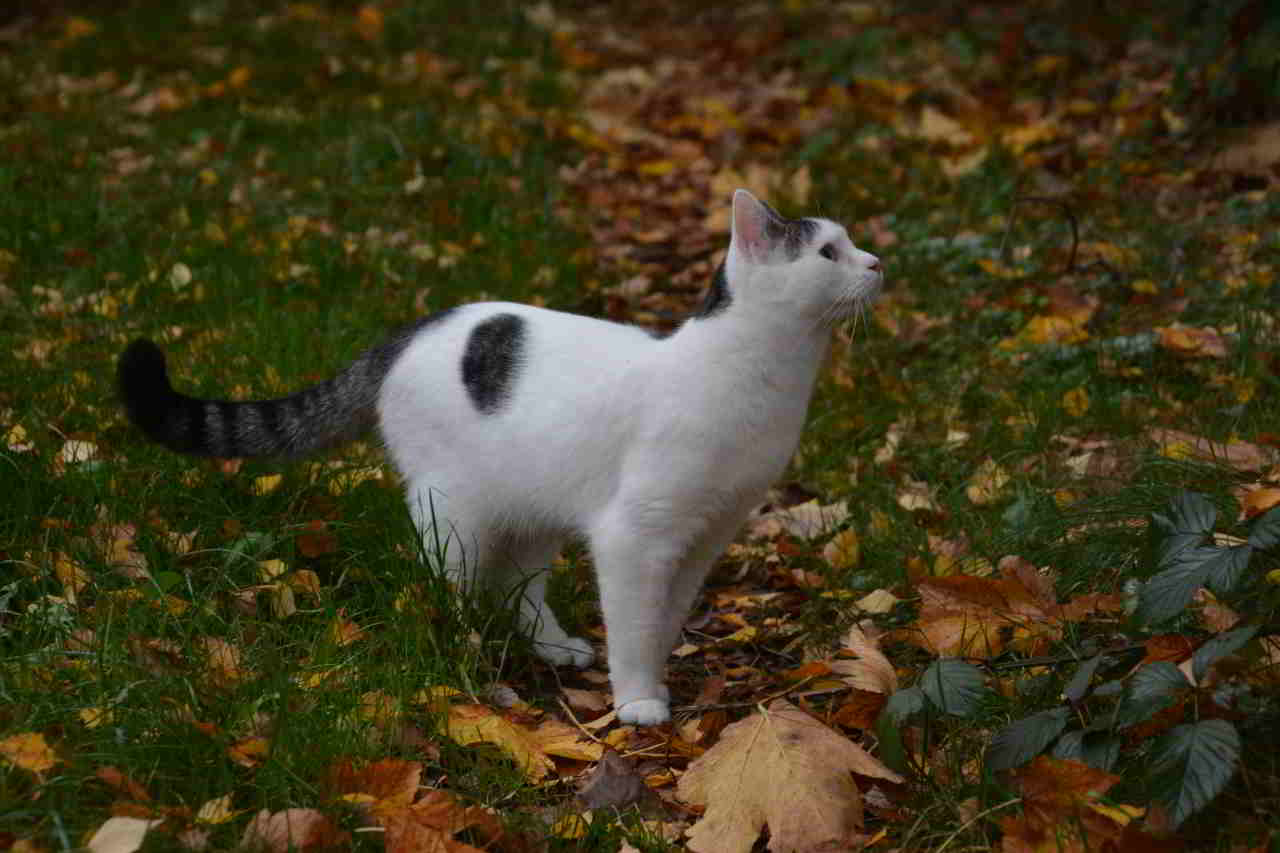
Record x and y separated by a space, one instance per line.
804 267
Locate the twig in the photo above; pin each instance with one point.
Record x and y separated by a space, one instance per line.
576 722
1071 218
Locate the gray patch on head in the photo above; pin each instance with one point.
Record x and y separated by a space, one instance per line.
492 357
792 234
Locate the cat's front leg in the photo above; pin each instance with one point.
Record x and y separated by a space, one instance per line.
636 570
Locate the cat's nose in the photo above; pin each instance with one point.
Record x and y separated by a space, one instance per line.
874 266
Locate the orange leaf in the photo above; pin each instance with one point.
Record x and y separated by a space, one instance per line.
28 750
369 23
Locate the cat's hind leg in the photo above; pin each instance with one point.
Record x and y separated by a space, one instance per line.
525 575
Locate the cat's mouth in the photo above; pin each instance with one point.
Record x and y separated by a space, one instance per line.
855 301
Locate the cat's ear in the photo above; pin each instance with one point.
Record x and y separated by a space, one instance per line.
751 219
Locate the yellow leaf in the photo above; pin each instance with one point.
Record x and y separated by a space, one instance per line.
1076 402
239 78
563 740
843 551
216 810
269 570
470 724
572 826
987 482
783 769
29 751
94 716
877 602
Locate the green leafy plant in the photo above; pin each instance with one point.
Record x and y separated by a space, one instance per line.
1190 763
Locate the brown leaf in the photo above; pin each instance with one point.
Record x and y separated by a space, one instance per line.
783 769
1192 342
613 783
1240 455
872 671
292 830
120 835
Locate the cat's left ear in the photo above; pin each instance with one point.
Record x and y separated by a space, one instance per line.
751 220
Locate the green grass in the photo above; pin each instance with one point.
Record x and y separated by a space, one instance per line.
312 187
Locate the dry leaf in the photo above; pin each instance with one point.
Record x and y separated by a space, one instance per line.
987 482
872 671
1192 342
120 835
469 724
783 769
28 750
843 551
290 831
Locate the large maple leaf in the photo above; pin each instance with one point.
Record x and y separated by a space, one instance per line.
783 769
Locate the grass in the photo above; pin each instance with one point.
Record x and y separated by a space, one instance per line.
268 188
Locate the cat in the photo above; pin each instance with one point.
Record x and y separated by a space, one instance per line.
516 427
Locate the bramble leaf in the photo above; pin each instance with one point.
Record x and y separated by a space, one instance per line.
1219 647
1096 749
1266 530
1190 519
1193 763
1225 568
1021 741
953 686
1168 593
1078 687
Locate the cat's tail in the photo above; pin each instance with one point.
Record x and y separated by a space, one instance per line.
329 413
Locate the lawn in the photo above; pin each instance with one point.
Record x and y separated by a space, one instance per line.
1025 556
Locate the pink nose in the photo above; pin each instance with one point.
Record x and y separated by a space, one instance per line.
875 265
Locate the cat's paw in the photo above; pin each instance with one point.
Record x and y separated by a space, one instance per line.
644 712
571 651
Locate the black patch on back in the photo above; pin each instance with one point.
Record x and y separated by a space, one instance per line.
718 297
491 359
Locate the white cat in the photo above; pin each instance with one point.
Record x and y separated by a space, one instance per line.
517 427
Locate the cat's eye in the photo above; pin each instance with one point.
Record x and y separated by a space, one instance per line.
828 251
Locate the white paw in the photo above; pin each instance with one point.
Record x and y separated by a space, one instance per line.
644 712
571 651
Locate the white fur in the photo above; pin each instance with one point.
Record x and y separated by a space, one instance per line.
654 450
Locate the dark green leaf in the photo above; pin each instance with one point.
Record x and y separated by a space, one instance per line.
1191 517
1266 530
1193 763
1219 647
1098 750
903 704
953 686
1168 593
1078 687
1019 742
1161 678
1226 568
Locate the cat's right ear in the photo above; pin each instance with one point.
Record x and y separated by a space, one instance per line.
750 227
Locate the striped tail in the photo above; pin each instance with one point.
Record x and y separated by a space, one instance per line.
334 411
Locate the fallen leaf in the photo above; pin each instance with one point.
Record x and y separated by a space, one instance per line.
871 671
614 783
843 551
120 835
782 769
291 830
1192 342
987 483
470 724
28 750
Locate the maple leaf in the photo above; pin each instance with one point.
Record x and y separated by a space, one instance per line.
530 748
783 769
